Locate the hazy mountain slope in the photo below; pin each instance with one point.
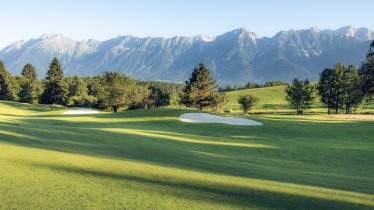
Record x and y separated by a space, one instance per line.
237 56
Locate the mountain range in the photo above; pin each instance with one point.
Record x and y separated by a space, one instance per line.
234 57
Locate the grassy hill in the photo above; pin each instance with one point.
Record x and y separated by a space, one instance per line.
148 159
272 100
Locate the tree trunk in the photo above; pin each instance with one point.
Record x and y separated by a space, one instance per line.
115 109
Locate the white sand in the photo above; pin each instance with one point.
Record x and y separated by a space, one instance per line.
82 111
208 118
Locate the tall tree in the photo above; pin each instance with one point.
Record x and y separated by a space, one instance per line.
158 97
29 85
116 90
353 95
325 89
300 95
54 89
200 89
78 92
367 73
338 86
7 91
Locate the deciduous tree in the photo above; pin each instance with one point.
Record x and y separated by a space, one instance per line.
247 102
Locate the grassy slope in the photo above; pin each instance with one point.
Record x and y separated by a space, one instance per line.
149 159
272 99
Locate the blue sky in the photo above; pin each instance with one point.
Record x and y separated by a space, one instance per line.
104 19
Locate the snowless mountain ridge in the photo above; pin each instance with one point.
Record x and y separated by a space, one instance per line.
234 57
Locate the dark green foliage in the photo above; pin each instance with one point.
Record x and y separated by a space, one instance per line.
114 91
331 87
367 74
353 95
340 88
274 83
158 97
29 87
326 89
78 93
171 89
247 102
251 85
54 87
200 89
96 88
7 91
220 100
139 97
300 95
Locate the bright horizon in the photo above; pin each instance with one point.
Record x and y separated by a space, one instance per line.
23 20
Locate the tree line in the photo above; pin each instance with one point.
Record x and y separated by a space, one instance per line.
339 88
251 85
111 90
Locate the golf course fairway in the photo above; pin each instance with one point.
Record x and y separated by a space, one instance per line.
149 159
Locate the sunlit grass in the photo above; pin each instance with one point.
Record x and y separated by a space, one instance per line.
148 159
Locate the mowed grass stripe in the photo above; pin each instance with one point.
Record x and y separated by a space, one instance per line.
149 159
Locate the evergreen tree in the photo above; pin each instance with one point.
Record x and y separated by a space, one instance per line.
325 89
54 89
7 91
200 89
159 97
338 87
353 95
300 95
367 73
29 86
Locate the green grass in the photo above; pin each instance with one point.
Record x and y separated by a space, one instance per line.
272 100
148 159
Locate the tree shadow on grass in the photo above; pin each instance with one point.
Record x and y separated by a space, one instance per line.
243 197
91 138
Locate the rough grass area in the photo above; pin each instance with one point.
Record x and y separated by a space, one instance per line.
148 159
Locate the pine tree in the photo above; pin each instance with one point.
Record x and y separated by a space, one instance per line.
367 73
300 95
353 95
54 89
7 91
200 89
30 85
338 87
325 89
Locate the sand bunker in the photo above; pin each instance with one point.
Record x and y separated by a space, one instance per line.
208 118
82 111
